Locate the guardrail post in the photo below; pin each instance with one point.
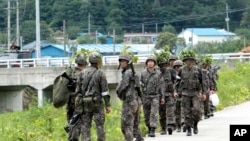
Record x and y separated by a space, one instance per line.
48 62
21 63
8 64
35 61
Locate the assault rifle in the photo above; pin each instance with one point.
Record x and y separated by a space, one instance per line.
72 122
137 86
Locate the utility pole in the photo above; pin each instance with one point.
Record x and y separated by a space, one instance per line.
89 24
38 38
114 41
17 24
143 28
8 28
227 18
64 38
156 27
96 38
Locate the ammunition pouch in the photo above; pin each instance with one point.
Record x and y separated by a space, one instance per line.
90 102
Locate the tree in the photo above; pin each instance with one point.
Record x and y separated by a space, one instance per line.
167 38
168 28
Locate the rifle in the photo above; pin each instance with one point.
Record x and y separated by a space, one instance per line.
72 83
72 122
137 86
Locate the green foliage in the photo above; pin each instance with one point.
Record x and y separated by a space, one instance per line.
168 28
207 60
233 84
162 56
187 54
46 124
125 50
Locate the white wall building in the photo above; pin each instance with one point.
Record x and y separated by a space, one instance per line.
193 36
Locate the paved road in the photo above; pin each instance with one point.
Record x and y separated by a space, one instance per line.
215 128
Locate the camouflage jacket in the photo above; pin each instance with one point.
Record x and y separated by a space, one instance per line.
168 75
205 77
212 79
151 83
97 86
192 79
126 89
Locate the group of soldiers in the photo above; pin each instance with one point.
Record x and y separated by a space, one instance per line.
178 92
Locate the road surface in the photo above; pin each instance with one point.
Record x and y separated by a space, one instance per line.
215 128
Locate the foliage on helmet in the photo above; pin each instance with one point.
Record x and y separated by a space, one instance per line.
207 60
187 54
125 50
162 56
95 57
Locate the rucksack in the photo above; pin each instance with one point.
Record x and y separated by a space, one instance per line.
60 90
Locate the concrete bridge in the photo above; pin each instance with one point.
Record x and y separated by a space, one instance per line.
14 80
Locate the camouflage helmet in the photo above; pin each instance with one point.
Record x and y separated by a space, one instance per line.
162 62
188 54
173 57
126 57
95 57
81 59
178 63
151 58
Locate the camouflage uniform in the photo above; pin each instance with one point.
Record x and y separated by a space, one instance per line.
167 110
126 91
152 93
206 105
179 116
74 130
213 86
191 84
94 88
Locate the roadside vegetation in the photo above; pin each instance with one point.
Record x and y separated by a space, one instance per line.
46 123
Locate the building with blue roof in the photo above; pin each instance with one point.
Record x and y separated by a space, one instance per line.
57 50
193 36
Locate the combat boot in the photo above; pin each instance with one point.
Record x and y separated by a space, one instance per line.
195 128
189 133
178 128
184 128
206 115
152 132
170 129
163 131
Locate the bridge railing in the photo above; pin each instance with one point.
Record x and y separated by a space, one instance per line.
107 60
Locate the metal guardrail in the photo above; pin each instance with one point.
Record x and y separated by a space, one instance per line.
107 60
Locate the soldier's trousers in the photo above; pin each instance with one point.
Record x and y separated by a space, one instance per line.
167 112
130 120
206 105
99 119
179 119
75 131
150 108
191 108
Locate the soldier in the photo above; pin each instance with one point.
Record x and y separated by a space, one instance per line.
74 130
178 109
167 110
153 92
128 91
213 77
191 85
172 59
206 79
94 88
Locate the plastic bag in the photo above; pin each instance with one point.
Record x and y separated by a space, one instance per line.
214 99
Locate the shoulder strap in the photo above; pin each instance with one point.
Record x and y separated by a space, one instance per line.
87 85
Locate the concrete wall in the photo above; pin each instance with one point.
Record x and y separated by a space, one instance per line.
11 101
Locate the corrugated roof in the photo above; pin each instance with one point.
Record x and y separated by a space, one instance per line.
209 32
